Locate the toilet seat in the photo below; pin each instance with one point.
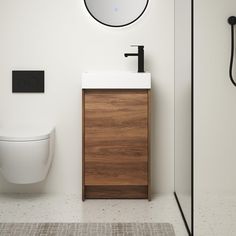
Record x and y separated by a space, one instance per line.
24 134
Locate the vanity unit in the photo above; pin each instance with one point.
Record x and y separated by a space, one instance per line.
116 136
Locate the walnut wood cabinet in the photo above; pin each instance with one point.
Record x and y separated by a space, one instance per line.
116 143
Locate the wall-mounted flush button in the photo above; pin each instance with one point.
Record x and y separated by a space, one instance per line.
27 81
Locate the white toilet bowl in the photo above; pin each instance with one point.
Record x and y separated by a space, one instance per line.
26 154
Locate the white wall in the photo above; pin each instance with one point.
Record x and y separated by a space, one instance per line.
215 99
60 37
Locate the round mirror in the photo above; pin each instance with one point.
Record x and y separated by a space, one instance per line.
116 13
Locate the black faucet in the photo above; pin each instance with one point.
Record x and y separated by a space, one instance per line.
140 56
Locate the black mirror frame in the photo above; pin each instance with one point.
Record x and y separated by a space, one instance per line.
115 26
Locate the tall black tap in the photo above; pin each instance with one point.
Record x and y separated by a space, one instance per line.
140 56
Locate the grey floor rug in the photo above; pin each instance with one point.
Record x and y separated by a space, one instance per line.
86 229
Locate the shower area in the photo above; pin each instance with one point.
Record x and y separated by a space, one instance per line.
205 115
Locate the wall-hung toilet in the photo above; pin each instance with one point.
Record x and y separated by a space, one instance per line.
26 154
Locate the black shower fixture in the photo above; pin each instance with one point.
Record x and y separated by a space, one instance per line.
232 22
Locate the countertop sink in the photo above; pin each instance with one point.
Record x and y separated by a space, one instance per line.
116 80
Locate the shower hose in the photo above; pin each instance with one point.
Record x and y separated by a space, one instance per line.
232 22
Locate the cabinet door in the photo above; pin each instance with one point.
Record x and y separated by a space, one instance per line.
116 138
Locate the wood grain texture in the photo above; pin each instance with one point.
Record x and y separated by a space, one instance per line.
115 137
83 145
149 145
117 192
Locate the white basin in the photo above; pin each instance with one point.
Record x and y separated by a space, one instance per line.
116 80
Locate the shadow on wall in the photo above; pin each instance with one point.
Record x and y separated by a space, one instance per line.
22 188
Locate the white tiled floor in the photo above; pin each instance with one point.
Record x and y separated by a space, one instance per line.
215 215
70 208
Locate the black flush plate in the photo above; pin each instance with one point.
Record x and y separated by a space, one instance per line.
28 81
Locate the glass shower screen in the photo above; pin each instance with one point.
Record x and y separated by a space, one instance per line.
183 110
